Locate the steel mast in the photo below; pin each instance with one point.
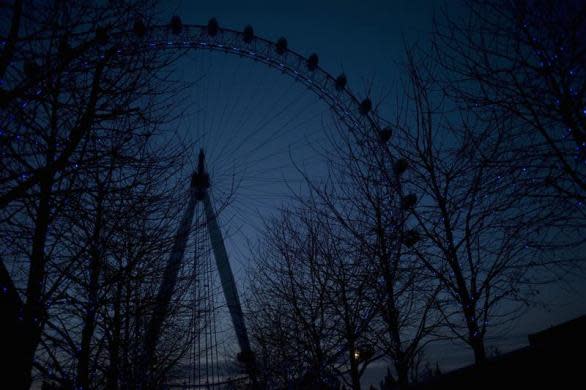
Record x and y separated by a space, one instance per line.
200 183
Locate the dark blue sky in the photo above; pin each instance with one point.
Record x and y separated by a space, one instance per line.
365 39
362 38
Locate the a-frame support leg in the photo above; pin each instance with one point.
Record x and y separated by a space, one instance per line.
226 276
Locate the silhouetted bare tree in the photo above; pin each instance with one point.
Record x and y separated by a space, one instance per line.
365 194
485 239
118 256
346 250
524 60
77 101
309 299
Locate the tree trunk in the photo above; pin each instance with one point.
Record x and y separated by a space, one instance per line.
33 312
11 308
89 322
402 367
392 316
475 338
114 365
354 372
477 344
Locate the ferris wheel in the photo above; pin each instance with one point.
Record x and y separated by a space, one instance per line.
258 112
259 115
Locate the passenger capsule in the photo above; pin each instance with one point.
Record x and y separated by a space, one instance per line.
101 35
341 82
31 69
281 46
213 27
139 28
409 201
411 237
176 25
385 134
248 34
365 106
312 62
400 166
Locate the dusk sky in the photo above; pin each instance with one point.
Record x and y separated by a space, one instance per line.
270 194
365 40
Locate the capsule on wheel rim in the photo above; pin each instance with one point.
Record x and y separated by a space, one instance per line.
312 62
400 166
102 35
365 106
341 82
176 25
385 134
281 46
248 34
213 27
139 28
